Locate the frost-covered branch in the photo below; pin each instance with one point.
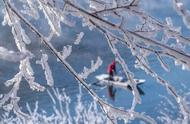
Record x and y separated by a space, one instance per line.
178 55
45 66
93 68
182 11
65 63
111 18
171 32
79 38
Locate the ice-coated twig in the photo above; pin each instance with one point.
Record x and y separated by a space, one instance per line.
17 30
66 51
163 64
66 64
18 111
129 75
141 41
182 105
68 67
170 89
182 56
79 38
127 115
93 68
168 50
31 10
16 81
25 68
46 68
144 16
27 73
52 18
182 11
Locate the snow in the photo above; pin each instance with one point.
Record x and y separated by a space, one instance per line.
46 68
94 66
79 38
98 15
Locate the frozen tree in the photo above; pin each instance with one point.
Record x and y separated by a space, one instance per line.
112 18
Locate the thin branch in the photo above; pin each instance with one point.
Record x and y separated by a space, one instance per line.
68 67
170 51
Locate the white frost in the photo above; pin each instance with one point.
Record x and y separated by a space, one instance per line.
93 68
79 37
46 68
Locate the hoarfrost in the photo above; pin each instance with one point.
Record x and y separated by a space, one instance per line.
96 5
46 68
93 68
182 11
31 9
79 38
66 51
52 17
108 17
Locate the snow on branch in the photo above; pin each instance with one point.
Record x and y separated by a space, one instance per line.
15 81
116 113
17 30
79 38
28 74
182 105
52 17
46 68
148 18
163 64
66 51
58 55
30 9
141 40
182 11
93 68
182 56
136 98
21 39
